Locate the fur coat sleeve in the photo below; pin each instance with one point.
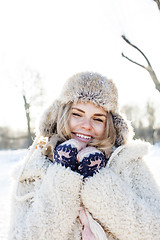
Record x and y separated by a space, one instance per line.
47 201
124 198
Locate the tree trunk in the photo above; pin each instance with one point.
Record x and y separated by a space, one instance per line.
27 111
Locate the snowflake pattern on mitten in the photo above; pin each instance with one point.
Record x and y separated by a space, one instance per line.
66 155
91 163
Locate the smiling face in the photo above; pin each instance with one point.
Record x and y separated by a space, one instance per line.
87 122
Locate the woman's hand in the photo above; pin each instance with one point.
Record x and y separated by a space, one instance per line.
90 160
66 154
86 161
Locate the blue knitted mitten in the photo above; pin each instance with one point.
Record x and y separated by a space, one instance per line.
90 161
66 154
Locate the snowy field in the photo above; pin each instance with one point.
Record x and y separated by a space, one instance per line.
9 158
7 161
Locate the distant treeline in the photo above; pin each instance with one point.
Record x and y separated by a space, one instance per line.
20 140
10 139
148 134
145 122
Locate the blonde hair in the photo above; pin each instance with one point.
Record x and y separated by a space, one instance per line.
63 129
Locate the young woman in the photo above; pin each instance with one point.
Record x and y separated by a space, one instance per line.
85 178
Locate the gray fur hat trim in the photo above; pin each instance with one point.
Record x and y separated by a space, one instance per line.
84 87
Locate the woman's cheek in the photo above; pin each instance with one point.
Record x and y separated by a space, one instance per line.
100 130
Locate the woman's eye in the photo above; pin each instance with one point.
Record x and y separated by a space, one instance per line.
76 114
98 120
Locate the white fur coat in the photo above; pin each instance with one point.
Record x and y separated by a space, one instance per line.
122 197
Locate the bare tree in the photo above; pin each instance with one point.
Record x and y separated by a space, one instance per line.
143 121
148 67
133 114
27 112
151 119
30 87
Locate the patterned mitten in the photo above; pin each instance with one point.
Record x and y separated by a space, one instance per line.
66 154
90 160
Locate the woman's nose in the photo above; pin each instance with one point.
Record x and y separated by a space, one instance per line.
86 124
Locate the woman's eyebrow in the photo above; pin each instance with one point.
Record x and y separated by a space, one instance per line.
96 114
100 115
78 109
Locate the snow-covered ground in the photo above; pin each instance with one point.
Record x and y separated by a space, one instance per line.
7 161
9 158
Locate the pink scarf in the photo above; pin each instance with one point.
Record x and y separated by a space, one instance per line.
87 234
92 230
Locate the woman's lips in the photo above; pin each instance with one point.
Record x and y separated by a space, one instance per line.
82 137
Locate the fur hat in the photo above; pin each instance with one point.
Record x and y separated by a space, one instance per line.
91 87
84 87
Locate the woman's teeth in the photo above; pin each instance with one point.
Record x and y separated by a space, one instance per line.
83 136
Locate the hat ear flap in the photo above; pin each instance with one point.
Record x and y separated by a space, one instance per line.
48 122
124 130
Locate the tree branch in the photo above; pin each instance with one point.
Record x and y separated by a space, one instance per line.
148 68
133 61
158 3
136 49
